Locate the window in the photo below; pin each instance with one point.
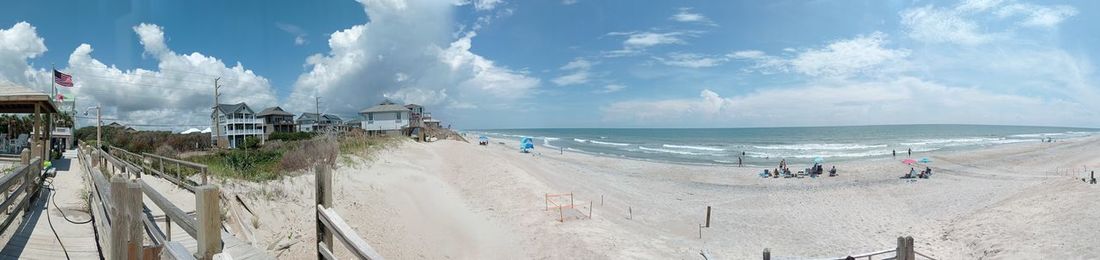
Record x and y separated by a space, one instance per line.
398 116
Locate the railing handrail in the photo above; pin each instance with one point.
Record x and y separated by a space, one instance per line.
345 234
26 175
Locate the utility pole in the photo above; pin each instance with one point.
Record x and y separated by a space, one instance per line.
98 127
317 108
214 117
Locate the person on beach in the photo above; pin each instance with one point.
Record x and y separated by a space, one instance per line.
912 173
739 162
895 152
776 171
1092 175
832 172
910 152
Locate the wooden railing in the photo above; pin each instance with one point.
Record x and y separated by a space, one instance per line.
119 201
904 251
19 188
162 166
329 223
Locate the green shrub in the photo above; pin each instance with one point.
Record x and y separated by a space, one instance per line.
296 136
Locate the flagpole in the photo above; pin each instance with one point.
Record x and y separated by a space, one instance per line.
53 77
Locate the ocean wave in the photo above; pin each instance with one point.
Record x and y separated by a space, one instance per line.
1039 135
580 140
1012 141
820 147
949 141
831 154
575 150
643 148
608 143
694 147
546 142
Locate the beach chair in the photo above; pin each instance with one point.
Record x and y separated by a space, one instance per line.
765 174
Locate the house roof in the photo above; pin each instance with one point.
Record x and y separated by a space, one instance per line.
274 111
233 108
412 106
19 99
384 108
313 117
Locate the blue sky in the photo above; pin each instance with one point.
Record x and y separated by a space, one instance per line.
582 63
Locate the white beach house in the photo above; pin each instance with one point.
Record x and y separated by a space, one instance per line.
385 117
234 123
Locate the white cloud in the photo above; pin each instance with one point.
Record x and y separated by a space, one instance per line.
415 39
904 100
611 88
691 60
937 25
480 5
636 42
848 57
180 91
1038 15
298 33
687 16
578 72
862 55
960 24
19 44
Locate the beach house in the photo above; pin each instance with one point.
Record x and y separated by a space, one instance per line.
277 120
386 117
310 122
233 123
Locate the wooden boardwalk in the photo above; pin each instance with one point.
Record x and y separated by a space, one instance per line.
34 238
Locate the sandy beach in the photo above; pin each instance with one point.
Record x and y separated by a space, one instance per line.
457 200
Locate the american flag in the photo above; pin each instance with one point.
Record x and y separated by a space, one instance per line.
62 78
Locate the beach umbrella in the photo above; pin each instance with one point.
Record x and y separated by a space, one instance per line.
819 160
908 161
925 160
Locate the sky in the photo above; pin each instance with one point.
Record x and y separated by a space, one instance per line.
480 64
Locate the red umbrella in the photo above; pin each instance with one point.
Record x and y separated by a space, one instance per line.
909 161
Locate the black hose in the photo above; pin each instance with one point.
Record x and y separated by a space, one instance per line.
50 220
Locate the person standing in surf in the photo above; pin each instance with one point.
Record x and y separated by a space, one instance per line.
895 152
910 152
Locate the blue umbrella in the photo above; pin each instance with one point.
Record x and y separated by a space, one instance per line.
819 160
925 160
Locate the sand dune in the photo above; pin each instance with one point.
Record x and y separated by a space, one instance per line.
454 200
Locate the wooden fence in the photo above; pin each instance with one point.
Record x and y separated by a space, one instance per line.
117 206
20 187
330 223
904 251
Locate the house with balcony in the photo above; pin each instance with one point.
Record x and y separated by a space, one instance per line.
386 117
311 122
233 123
277 120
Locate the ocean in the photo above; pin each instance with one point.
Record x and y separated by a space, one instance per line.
764 146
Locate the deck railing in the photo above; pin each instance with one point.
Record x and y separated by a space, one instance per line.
122 200
19 188
329 223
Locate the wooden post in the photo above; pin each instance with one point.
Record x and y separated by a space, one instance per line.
910 254
708 217
900 251
590 210
323 198
25 156
117 210
204 176
210 221
137 229
168 227
631 211
767 254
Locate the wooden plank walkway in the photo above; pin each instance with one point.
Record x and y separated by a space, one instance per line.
34 238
